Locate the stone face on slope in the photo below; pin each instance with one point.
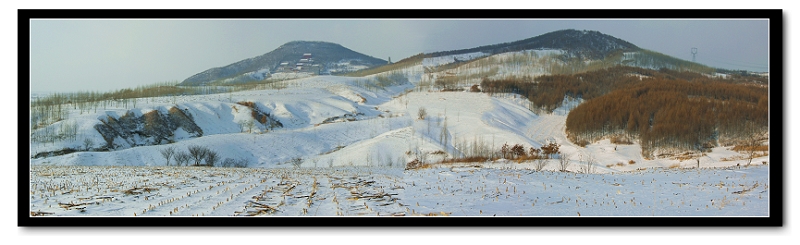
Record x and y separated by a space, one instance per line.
151 128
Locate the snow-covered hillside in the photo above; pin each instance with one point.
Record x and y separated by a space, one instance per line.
370 128
447 59
340 121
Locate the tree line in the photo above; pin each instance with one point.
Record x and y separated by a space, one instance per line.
674 115
664 109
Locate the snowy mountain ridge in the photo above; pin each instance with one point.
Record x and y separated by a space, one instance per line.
286 58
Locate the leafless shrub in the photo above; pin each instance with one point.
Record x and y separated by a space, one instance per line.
296 162
227 163
590 163
167 153
212 158
422 113
182 158
233 163
540 163
87 144
563 162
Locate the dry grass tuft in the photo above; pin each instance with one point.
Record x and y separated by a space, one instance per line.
435 214
137 191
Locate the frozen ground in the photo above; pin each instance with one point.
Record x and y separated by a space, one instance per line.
447 191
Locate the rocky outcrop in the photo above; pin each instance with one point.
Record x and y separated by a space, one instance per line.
151 128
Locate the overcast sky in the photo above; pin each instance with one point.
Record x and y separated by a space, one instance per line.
105 55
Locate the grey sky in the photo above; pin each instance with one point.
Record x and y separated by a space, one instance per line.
104 55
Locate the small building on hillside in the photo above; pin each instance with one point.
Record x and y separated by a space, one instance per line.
285 67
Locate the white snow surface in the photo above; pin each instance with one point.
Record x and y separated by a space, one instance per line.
447 59
372 192
381 135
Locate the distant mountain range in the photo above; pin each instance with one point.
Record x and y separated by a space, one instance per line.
330 58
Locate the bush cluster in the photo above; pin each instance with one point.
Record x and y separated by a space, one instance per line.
516 152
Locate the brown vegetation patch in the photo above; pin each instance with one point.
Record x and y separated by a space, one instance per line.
621 140
249 104
261 117
472 159
40 213
475 89
439 152
747 148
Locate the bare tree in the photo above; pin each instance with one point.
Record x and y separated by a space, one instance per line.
752 143
212 158
540 163
242 163
246 124
297 161
563 162
227 163
591 161
182 158
198 153
87 143
168 152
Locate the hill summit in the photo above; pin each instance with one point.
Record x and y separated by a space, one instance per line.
582 44
295 56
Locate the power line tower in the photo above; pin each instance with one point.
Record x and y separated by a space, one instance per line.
694 53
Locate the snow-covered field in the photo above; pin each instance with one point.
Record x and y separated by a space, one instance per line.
447 191
343 148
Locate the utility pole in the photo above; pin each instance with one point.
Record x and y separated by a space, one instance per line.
694 53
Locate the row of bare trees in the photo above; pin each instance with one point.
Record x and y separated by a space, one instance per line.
200 156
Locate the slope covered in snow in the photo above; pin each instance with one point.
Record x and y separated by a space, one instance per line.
346 119
342 147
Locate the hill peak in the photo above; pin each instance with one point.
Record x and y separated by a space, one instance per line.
576 43
295 56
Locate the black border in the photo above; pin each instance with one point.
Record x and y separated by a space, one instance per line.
777 112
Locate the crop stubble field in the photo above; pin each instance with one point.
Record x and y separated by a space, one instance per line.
444 191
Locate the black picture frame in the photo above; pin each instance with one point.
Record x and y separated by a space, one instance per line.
776 88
